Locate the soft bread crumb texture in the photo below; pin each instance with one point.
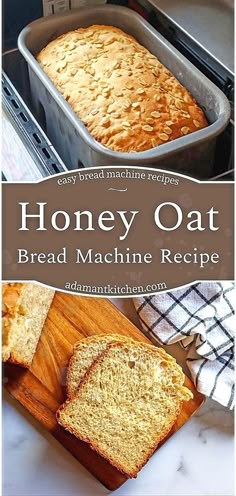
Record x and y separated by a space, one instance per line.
85 352
126 98
126 404
24 310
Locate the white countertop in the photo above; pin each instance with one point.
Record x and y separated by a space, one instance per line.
197 461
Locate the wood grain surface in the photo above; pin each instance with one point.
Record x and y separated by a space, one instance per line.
42 388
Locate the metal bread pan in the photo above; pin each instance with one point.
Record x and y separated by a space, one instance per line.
192 154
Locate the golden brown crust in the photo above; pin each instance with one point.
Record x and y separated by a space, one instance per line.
127 99
21 363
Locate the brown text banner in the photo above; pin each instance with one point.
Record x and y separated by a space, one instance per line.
118 231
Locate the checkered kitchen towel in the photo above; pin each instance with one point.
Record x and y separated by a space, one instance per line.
202 318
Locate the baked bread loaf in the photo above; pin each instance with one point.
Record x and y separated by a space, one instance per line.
85 352
126 404
24 310
126 98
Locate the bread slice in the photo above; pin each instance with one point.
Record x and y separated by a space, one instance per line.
85 352
126 404
24 310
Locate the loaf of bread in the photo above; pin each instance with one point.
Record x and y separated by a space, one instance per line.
126 404
126 98
24 310
85 352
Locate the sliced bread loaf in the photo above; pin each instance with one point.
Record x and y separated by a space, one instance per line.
126 404
85 352
24 310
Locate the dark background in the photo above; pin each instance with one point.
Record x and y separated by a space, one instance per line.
18 13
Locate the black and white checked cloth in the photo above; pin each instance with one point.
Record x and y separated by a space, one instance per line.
202 318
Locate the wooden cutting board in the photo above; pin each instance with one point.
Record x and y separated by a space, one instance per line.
42 388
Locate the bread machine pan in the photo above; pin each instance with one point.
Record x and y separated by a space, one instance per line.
192 154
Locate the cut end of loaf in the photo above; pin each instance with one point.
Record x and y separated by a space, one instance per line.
24 310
